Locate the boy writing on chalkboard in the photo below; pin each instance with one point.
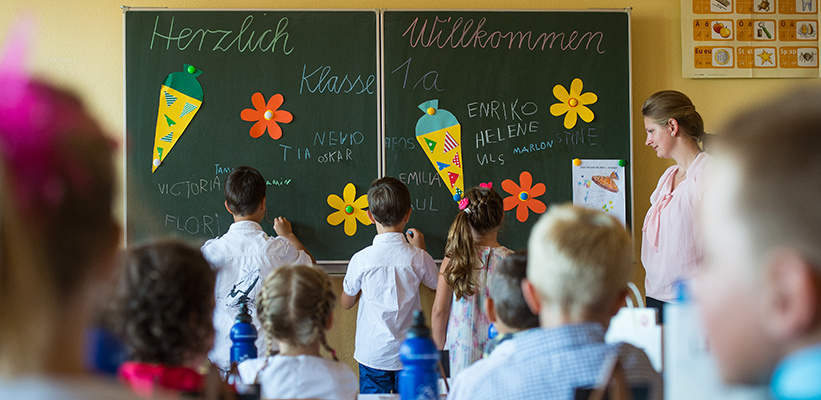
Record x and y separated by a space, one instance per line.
384 278
760 289
579 262
245 255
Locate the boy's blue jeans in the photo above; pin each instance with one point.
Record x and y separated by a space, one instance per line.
374 381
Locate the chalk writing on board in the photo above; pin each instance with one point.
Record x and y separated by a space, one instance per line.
578 137
222 39
492 109
533 147
489 159
208 225
333 84
490 136
301 154
428 80
400 143
335 156
463 34
420 178
278 182
338 138
190 188
425 204
222 170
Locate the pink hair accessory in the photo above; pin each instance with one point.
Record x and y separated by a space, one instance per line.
463 204
488 185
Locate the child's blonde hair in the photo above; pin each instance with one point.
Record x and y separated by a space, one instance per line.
484 212
579 259
294 305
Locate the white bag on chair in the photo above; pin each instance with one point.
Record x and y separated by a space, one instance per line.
639 327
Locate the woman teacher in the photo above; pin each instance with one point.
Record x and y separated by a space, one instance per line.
671 248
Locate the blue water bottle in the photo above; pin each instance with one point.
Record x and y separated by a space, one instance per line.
419 380
243 335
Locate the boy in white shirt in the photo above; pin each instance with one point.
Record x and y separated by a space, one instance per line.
386 275
245 255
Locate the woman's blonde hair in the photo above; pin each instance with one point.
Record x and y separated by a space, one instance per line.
483 213
294 305
663 106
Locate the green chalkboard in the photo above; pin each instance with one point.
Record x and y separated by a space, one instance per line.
324 65
496 72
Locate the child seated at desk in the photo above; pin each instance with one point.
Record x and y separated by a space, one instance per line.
295 308
579 262
507 310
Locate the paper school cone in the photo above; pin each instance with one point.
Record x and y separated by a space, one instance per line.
180 99
440 136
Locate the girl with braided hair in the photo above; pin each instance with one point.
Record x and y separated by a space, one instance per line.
458 320
295 307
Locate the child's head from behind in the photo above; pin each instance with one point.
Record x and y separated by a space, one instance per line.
483 213
244 191
388 201
579 263
506 293
163 304
58 231
294 307
758 290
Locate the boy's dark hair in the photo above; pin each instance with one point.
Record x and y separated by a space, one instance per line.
164 302
506 292
244 190
388 201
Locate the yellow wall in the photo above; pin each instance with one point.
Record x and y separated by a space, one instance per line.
79 44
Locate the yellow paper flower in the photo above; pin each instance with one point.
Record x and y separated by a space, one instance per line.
573 103
350 209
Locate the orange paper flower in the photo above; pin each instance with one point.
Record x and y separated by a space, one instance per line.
523 196
266 115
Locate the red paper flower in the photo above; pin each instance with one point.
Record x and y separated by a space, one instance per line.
266 115
523 196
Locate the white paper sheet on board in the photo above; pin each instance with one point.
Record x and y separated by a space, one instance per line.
600 185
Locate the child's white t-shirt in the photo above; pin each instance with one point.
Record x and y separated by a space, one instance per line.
388 273
300 377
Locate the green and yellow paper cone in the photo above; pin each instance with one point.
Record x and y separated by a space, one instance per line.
440 135
180 99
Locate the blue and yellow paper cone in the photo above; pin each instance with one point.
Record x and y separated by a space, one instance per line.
440 135
180 99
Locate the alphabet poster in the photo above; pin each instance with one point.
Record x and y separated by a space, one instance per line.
749 38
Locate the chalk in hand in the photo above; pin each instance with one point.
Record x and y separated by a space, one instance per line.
410 233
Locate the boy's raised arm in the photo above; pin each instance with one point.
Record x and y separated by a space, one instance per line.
283 228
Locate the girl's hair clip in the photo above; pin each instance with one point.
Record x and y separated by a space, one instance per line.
463 204
488 185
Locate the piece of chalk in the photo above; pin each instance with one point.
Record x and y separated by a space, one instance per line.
431 111
410 233
577 162
622 163
156 162
192 69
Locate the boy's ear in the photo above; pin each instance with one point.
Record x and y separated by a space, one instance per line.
531 297
792 296
370 217
228 208
407 216
490 309
618 302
